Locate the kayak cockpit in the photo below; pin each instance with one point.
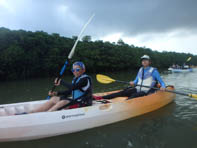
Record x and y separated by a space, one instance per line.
21 108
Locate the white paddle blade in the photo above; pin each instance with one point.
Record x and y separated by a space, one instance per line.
79 36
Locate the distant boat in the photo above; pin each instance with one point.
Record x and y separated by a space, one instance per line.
177 70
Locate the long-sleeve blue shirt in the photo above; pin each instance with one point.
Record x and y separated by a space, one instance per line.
155 74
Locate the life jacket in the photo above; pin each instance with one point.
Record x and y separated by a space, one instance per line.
145 79
84 93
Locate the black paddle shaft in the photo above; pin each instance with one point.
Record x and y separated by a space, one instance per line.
54 86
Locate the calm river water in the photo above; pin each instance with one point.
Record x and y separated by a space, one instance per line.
172 126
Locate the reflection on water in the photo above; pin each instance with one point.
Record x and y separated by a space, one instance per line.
172 126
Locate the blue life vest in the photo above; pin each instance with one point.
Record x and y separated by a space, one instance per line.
78 93
145 78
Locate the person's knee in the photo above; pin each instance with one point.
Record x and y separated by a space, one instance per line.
54 100
63 102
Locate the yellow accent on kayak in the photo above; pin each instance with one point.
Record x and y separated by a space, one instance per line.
193 96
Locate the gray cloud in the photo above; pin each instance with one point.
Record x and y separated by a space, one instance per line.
141 16
131 17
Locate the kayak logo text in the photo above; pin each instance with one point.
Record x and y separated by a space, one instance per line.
70 116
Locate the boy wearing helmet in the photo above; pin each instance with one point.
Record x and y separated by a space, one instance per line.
81 90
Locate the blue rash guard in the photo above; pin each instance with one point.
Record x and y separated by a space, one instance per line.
155 75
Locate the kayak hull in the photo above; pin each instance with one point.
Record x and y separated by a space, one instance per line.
47 124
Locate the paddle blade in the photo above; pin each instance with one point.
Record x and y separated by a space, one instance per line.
189 59
193 96
104 79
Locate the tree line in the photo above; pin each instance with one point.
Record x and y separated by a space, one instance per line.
26 54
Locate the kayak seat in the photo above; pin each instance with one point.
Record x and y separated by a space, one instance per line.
72 106
97 98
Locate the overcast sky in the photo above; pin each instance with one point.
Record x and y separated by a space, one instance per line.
169 25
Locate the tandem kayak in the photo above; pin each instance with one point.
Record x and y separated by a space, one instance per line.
47 124
180 70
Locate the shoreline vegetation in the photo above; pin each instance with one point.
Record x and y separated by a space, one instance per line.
26 54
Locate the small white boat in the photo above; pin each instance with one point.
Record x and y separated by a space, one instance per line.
180 70
47 124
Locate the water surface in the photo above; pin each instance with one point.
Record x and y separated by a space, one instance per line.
172 126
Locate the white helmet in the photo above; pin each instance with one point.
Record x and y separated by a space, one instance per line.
145 57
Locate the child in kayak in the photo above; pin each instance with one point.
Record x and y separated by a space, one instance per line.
147 76
81 90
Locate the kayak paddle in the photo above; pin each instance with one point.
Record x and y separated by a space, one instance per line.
107 80
71 53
